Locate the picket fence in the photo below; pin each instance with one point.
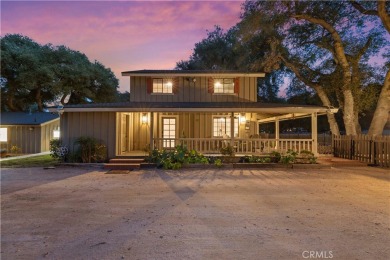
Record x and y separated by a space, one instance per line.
373 150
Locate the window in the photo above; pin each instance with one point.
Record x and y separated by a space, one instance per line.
162 86
221 126
225 86
3 134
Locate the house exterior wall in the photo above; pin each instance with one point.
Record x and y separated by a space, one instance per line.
100 125
29 138
189 91
47 134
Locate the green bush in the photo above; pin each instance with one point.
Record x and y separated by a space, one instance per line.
227 150
176 158
90 150
289 157
218 163
275 157
307 157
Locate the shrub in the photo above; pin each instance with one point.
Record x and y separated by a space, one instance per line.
275 157
307 157
15 149
218 163
227 150
289 157
90 150
176 158
57 151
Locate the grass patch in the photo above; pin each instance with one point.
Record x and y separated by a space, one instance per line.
36 161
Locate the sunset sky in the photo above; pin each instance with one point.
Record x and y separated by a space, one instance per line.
123 35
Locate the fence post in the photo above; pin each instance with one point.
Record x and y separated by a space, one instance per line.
375 161
351 149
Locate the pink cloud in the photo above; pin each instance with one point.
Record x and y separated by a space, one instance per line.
121 35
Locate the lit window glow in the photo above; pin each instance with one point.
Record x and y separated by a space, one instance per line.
162 86
56 134
221 126
224 86
3 134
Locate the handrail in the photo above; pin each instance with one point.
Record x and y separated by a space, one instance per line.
241 145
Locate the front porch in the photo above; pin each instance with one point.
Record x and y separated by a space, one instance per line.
208 132
241 146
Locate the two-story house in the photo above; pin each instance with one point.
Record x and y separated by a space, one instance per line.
205 110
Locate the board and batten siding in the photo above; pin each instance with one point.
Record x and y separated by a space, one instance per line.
30 138
189 91
99 125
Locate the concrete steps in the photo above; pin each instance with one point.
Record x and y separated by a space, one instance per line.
123 164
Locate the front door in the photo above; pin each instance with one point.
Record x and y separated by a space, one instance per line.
169 131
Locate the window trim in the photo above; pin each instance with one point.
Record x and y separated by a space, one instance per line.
236 126
164 81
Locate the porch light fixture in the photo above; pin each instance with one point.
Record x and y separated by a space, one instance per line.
144 118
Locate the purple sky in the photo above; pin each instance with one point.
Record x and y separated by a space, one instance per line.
123 35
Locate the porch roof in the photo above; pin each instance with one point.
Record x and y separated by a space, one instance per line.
199 73
269 109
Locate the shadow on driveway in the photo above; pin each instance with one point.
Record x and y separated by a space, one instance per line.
15 179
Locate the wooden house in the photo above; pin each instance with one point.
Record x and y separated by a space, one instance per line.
30 132
204 110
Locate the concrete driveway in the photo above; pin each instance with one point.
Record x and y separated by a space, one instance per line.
83 213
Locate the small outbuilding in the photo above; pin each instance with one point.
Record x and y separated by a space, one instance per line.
30 132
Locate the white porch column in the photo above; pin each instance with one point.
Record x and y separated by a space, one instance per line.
314 135
277 130
151 124
232 129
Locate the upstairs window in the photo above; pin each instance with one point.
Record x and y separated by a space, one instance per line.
163 86
225 86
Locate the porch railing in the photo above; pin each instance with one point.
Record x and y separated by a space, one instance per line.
241 146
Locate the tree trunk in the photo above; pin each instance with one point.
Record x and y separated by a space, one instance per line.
385 17
339 52
357 124
38 99
349 113
334 128
382 109
10 101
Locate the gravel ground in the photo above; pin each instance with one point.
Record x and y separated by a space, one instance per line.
83 213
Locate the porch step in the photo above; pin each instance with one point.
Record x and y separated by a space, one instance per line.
126 160
122 166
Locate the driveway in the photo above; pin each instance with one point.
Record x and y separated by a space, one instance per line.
83 213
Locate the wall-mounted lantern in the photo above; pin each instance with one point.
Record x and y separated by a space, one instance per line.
144 118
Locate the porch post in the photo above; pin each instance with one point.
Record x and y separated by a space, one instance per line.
314 135
151 140
277 133
232 129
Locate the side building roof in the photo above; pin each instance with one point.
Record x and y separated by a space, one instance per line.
22 118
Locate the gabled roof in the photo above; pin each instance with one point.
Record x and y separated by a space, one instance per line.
21 118
199 73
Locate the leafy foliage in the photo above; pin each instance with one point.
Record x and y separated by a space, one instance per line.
90 150
289 157
33 75
174 159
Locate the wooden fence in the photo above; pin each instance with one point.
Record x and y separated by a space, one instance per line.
364 148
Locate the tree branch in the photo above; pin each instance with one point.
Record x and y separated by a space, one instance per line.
363 10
